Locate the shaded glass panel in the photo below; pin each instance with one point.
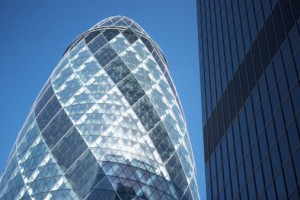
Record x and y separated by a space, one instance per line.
48 113
147 43
162 142
131 89
177 175
97 43
117 70
69 149
110 33
105 55
43 100
130 35
85 174
91 36
57 128
146 113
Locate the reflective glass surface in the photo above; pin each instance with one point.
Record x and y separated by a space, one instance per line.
249 53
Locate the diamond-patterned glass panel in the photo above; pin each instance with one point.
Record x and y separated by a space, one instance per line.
97 43
105 55
131 89
117 70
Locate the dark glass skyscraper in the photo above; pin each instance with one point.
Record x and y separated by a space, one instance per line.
250 71
107 125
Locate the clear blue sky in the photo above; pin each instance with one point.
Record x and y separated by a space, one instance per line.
34 34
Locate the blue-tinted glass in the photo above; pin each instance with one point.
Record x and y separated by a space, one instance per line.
290 177
236 130
224 148
286 52
117 70
110 33
147 43
255 156
293 136
228 191
131 89
291 75
270 78
279 123
105 55
43 100
275 158
256 100
97 43
284 148
146 113
85 174
218 157
271 134
69 149
226 171
296 159
252 132
295 39
245 142
235 185
278 66
259 121
263 145
208 193
130 35
249 111
162 142
232 162
251 189
271 192
274 97
295 96
248 165
59 125
267 171
238 152
242 119
259 182
295 196
241 175
213 166
280 188
230 140
220 179
49 111
207 174
267 110
91 36
283 88
176 172
214 189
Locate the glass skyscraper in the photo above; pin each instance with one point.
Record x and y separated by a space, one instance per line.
107 124
250 72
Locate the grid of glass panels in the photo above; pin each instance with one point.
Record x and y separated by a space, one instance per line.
107 125
251 111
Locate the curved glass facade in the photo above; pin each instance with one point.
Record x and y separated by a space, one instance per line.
108 124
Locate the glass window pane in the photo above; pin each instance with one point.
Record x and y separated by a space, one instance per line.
131 89
105 55
117 70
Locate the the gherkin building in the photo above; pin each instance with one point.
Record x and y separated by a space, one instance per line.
107 124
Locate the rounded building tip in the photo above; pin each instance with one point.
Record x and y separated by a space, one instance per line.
119 21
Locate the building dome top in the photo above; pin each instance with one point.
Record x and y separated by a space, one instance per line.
119 22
